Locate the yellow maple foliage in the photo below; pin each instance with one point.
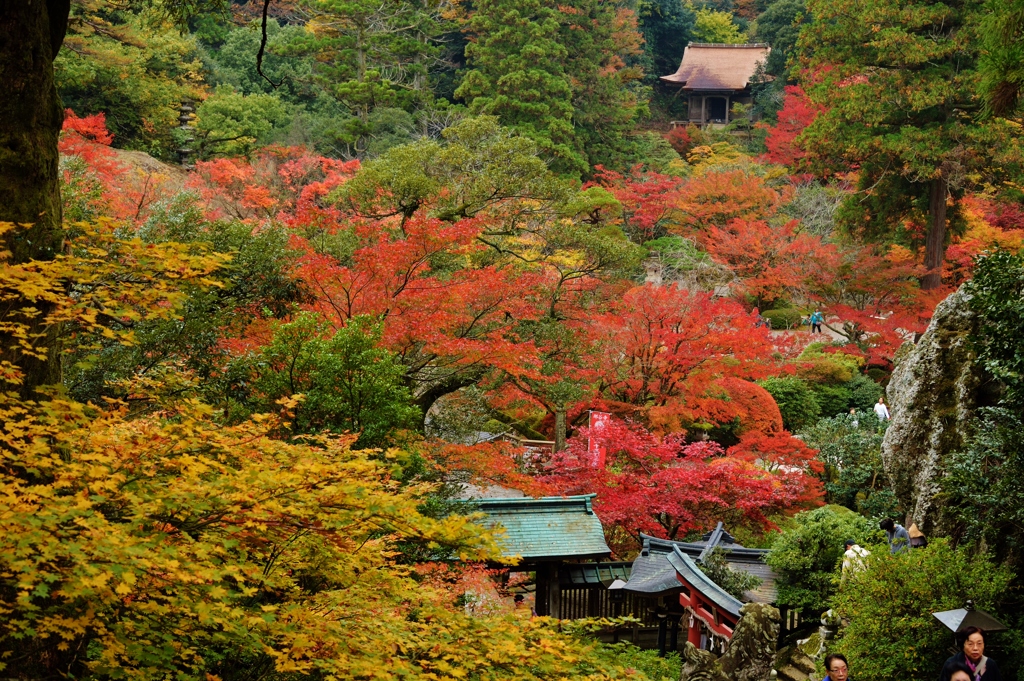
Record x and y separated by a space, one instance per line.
172 545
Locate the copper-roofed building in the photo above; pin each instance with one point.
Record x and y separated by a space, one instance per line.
717 76
667 573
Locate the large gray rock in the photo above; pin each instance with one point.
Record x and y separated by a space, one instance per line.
934 395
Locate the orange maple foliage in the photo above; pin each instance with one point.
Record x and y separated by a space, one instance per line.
125 192
666 346
715 198
769 262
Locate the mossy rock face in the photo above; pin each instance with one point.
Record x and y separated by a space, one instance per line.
934 395
811 646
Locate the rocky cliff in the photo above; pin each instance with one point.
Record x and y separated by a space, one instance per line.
934 395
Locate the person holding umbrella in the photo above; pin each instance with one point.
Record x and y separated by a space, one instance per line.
971 641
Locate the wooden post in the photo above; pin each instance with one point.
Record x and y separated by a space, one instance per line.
673 642
541 592
554 592
662 630
594 602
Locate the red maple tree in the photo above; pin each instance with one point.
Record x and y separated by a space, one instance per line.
798 111
667 488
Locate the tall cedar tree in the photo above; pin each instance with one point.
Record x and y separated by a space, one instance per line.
376 54
558 75
899 78
518 74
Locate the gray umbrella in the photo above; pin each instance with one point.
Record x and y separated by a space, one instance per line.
967 616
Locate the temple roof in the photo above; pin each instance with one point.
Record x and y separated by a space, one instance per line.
718 67
549 528
689 571
654 575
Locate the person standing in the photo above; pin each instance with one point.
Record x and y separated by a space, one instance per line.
972 655
899 538
837 667
853 559
816 319
881 410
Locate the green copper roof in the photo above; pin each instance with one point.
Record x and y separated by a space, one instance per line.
548 528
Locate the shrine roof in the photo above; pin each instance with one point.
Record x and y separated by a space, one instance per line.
654 575
548 528
717 67
689 571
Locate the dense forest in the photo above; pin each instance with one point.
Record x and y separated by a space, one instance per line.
282 280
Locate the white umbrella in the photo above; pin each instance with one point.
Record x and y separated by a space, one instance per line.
967 616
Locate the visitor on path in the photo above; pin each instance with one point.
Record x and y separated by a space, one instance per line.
816 319
853 559
759 319
881 410
853 417
899 538
837 667
972 656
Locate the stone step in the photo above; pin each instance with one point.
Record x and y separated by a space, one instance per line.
803 663
791 673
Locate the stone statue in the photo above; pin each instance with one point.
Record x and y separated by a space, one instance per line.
750 655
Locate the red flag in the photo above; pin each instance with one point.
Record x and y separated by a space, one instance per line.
595 442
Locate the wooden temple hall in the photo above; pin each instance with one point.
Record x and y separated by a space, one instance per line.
713 77
561 540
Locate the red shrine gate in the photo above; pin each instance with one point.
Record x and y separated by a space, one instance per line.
705 602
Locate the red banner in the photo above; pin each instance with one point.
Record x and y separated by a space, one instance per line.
595 442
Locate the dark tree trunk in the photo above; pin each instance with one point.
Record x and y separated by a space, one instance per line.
935 244
31 32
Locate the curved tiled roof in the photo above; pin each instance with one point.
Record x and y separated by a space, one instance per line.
718 67
689 571
654 575
548 528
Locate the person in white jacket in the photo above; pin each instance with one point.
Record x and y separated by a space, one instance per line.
853 559
881 410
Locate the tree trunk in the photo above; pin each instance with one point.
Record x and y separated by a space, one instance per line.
935 244
559 429
31 32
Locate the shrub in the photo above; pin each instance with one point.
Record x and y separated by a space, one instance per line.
864 392
788 318
806 558
850 447
736 582
832 399
891 632
796 401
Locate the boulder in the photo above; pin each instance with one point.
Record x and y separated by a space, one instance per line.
934 395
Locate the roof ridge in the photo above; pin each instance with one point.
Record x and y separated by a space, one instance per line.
758 45
579 498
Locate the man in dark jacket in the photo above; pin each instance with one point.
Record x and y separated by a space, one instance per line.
972 654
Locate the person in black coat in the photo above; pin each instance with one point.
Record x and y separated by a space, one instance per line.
972 656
